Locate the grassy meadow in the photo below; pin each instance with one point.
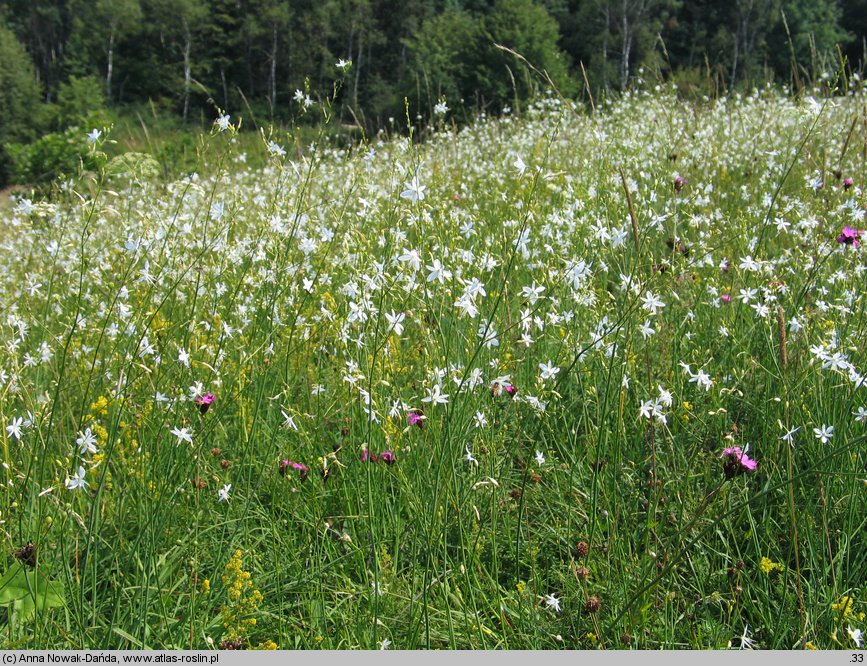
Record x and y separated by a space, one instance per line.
563 379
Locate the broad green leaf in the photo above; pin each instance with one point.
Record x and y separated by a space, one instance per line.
26 591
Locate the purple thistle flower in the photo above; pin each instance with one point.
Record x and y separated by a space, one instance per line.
847 183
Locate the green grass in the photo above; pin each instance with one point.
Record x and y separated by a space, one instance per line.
275 282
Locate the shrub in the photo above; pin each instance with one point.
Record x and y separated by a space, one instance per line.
19 99
54 155
80 102
456 56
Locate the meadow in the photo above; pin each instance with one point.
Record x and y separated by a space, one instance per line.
563 379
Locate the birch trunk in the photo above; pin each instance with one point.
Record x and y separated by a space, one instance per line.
272 80
110 67
187 68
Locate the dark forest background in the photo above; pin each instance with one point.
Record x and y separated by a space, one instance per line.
83 62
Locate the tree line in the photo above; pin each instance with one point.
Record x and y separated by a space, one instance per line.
187 57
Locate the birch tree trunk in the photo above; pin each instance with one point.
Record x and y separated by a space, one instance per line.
357 67
626 47
272 80
110 67
187 68
605 35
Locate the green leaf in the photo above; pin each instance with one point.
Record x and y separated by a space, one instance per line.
26 591
134 165
132 639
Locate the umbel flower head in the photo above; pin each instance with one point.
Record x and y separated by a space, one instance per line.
737 462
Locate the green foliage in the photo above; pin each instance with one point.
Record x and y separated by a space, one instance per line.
80 102
599 484
444 57
80 107
23 592
527 29
53 155
191 56
20 89
19 96
814 30
178 153
455 55
133 165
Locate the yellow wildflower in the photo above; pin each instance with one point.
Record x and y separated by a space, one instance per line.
845 609
244 599
768 566
100 407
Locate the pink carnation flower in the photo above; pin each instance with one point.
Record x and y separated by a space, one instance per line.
737 462
204 401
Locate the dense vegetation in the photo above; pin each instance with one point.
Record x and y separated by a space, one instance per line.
266 59
566 379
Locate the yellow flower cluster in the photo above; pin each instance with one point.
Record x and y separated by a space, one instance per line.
100 407
244 599
97 409
687 409
768 566
844 609
100 432
390 430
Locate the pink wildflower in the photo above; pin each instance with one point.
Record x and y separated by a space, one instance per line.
303 470
737 462
850 236
204 401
